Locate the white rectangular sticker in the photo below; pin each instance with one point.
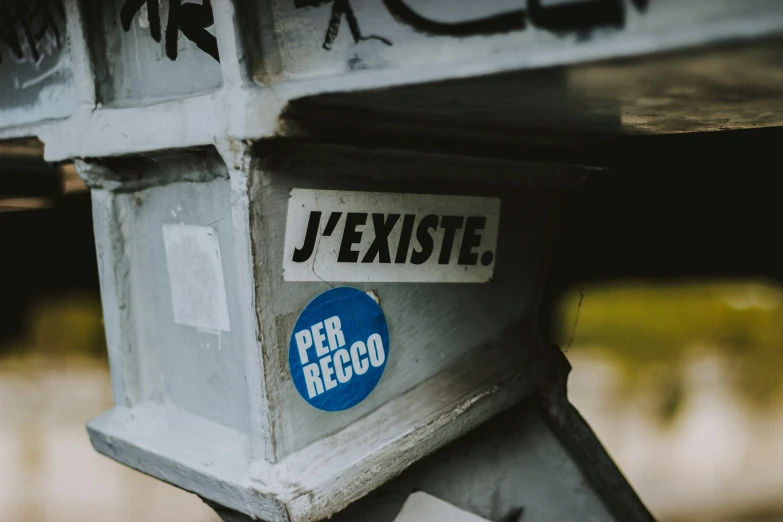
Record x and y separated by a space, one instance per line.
198 292
385 237
423 507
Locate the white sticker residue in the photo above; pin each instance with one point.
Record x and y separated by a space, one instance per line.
385 237
198 292
422 507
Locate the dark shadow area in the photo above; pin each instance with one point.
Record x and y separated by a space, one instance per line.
673 207
46 237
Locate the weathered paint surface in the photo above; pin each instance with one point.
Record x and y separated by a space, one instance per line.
36 80
190 357
512 468
451 323
210 409
147 57
203 395
123 58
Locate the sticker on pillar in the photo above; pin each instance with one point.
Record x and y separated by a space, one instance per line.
338 349
198 291
387 237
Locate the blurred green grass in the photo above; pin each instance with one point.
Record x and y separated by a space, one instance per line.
67 326
651 330
648 329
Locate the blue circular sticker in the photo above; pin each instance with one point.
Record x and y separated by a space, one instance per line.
338 349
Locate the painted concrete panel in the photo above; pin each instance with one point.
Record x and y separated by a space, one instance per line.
145 57
196 367
449 324
36 79
217 413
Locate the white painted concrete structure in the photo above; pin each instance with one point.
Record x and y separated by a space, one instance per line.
192 164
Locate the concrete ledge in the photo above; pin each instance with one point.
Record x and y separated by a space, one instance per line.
214 462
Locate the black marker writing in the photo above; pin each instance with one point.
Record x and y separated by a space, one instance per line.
191 19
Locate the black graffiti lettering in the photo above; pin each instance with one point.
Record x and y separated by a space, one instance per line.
380 245
191 19
502 23
30 28
303 254
450 225
405 238
562 17
153 17
194 20
340 9
577 16
471 239
172 29
424 237
131 7
351 236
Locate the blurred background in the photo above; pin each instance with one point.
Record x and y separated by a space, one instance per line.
53 367
678 371
682 384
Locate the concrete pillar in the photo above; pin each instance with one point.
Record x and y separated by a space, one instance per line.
286 190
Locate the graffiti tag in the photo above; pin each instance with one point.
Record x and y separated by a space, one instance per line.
31 29
560 18
191 19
